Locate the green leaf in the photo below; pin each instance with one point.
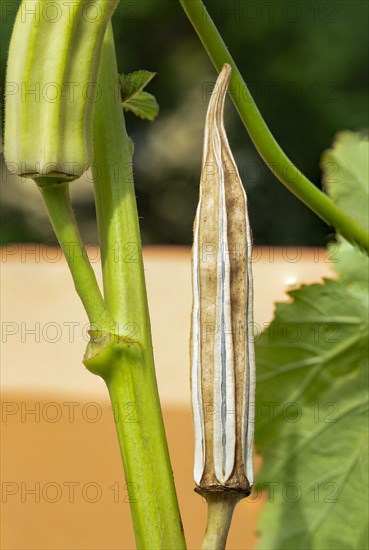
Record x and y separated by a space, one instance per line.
312 421
312 391
345 169
143 105
351 264
346 172
133 83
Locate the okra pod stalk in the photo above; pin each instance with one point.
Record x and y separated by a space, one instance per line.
223 364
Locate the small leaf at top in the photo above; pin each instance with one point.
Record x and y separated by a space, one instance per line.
132 84
143 105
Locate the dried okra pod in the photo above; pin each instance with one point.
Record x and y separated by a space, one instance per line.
222 349
51 86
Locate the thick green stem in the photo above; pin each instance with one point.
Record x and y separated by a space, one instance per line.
131 382
220 511
58 205
146 461
117 217
264 141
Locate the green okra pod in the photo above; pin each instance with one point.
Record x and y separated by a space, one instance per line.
51 87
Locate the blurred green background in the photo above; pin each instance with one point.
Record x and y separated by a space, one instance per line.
306 63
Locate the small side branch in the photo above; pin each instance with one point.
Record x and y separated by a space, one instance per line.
59 208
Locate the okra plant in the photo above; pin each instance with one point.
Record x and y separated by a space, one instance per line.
55 142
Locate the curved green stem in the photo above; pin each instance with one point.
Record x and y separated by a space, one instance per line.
58 206
264 141
129 369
